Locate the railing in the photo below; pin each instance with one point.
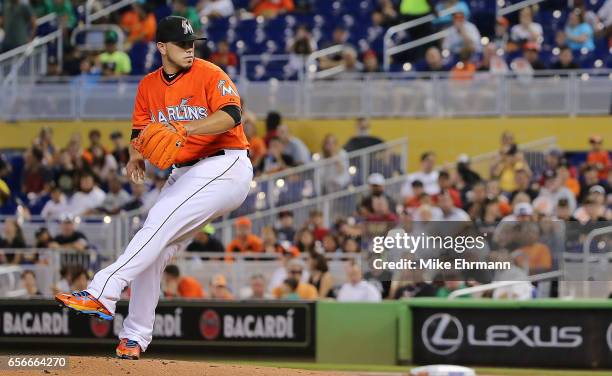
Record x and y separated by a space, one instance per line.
389 49
312 71
97 28
89 18
495 285
46 269
514 7
560 93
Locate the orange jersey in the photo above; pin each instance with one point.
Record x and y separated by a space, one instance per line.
197 93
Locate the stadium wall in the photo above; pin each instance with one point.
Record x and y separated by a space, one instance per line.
448 137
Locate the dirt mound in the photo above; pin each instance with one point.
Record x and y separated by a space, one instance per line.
103 366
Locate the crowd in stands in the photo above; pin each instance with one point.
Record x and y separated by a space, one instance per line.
559 35
83 179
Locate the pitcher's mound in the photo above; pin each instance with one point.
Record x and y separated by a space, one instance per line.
103 366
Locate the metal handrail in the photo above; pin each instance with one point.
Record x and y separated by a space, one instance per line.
46 18
393 30
518 6
112 27
586 250
494 285
108 10
311 60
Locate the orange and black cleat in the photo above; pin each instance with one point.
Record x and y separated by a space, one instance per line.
128 349
84 302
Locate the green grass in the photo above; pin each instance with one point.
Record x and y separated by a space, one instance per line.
405 369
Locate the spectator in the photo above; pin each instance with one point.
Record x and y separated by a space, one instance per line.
356 289
288 253
65 172
302 44
305 241
320 277
599 157
257 290
433 61
339 38
116 198
216 8
377 189
465 68
182 8
44 142
139 24
450 6
414 200
68 237
138 199
502 37
224 58
531 53
566 178
12 238
286 230
95 141
522 179
350 63
19 24
590 178
36 176
276 159
271 8
462 34
414 9
204 241
28 282
446 184
56 206
579 34
452 284
289 289
427 175
103 165
491 62
40 8
593 210
330 243
219 289
80 279
316 224
43 239
449 211
566 59
5 198
293 146
554 190
412 286
120 152
527 30
65 280
305 291
65 13
537 254
111 55
370 62
362 138
506 165
334 174
181 287
270 240
273 120
245 240
88 198
257 148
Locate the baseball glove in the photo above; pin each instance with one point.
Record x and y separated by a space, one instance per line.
161 142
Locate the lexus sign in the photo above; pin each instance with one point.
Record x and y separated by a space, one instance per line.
530 337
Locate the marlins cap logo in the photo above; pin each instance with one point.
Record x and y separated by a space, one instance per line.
187 29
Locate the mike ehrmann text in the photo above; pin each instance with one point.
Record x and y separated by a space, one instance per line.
437 264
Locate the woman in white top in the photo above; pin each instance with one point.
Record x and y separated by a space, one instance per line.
526 30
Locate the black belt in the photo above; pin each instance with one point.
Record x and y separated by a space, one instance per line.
191 163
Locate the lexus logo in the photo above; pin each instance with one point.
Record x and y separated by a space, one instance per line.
442 334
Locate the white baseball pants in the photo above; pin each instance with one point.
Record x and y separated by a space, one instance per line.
192 196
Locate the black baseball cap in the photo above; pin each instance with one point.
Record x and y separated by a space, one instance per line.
175 29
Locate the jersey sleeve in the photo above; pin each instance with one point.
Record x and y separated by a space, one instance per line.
140 116
221 91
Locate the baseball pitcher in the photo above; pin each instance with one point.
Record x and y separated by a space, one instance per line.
187 115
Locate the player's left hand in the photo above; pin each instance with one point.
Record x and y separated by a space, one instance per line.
161 142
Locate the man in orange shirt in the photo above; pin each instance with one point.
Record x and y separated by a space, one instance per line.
245 240
271 8
599 157
305 291
139 24
183 287
219 289
211 176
